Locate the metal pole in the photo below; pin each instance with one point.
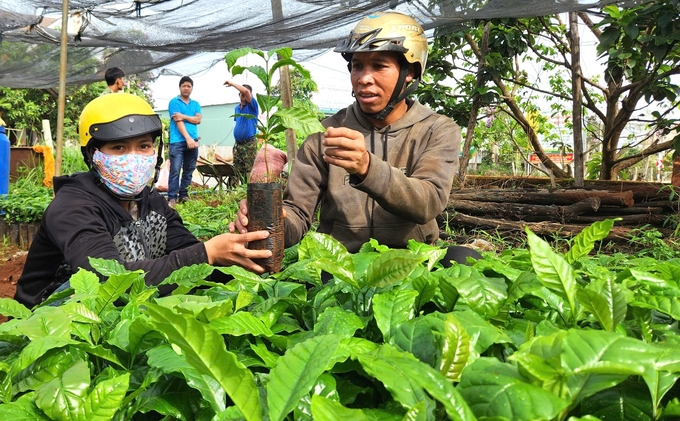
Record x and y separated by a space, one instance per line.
62 86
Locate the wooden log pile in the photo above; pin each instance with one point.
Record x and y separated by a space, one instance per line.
511 204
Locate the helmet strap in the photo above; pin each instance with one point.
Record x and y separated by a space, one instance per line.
159 161
397 94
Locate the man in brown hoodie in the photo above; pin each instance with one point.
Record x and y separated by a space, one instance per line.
385 165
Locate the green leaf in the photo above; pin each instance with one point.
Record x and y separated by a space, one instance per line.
80 313
456 349
390 267
411 381
233 56
23 409
302 120
598 360
419 337
63 398
434 253
282 53
107 267
101 352
482 333
665 305
164 358
114 288
316 245
584 242
628 401
496 390
296 372
483 295
87 284
46 322
172 399
204 349
11 308
324 409
552 269
239 324
189 276
260 349
50 366
606 301
337 321
416 413
339 271
392 308
36 349
104 400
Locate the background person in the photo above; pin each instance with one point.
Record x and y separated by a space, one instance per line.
115 80
245 129
385 165
110 212
185 116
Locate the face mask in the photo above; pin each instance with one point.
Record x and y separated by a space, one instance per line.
124 175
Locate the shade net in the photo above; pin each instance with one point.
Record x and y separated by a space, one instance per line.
149 34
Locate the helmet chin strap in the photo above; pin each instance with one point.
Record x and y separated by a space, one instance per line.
397 94
159 161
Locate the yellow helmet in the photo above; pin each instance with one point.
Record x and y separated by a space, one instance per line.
117 116
388 31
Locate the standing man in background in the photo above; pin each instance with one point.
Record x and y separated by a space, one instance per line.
245 148
185 116
4 159
115 79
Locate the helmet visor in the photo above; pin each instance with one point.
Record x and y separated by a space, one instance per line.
126 127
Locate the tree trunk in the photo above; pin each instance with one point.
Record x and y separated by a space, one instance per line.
474 111
539 228
522 211
577 101
559 197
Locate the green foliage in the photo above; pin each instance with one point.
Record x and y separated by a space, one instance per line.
26 108
277 119
528 335
639 45
208 213
303 88
27 198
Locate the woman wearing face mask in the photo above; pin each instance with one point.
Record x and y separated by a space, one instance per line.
110 212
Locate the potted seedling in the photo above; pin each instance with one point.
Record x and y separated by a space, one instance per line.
265 197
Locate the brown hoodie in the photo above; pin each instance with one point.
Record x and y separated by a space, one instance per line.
413 162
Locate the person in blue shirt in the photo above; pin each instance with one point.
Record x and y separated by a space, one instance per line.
245 129
185 116
4 159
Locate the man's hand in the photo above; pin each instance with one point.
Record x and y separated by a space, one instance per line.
192 144
178 116
227 83
346 148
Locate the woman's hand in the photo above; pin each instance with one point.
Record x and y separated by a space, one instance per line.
231 249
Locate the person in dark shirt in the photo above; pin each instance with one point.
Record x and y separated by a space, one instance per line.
110 212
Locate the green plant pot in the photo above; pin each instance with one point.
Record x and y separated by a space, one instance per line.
265 212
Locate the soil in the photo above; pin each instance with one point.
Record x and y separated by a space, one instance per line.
12 261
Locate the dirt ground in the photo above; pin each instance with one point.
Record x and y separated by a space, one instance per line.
11 265
12 261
